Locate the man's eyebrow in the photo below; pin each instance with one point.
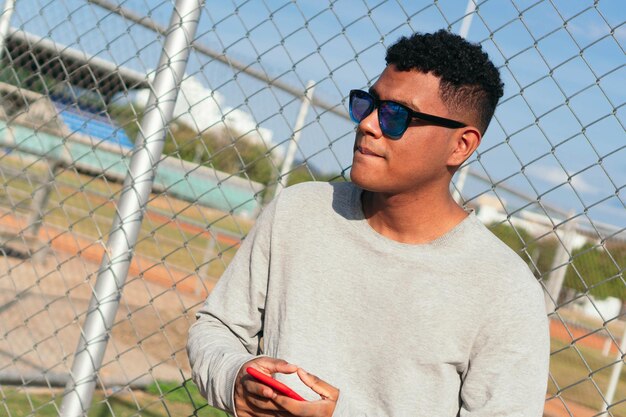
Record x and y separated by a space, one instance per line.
411 106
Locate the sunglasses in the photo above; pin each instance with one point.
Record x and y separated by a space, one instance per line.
393 118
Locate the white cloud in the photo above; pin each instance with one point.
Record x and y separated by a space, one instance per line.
203 109
597 30
556 176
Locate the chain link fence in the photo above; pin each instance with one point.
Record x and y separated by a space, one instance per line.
140 139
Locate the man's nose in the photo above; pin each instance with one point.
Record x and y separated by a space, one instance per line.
370 125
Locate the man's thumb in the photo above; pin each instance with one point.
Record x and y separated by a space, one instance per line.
324 389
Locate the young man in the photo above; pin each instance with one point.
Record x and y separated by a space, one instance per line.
399 300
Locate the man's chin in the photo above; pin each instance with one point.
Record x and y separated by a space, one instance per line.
365 183
356 179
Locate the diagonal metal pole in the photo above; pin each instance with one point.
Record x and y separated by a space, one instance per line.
249 69
283 177
560 264
137 186
467 18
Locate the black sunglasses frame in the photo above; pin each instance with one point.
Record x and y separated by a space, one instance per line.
411 114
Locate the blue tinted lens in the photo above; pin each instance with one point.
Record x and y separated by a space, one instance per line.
393 119
361 106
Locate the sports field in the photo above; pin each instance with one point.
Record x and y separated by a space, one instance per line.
182 250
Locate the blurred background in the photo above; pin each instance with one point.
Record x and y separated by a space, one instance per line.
122 202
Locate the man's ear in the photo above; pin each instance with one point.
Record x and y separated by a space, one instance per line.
465 142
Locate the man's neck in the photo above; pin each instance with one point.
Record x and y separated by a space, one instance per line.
415 218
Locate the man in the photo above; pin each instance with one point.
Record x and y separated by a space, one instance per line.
402 303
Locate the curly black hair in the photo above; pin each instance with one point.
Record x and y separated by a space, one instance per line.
469 82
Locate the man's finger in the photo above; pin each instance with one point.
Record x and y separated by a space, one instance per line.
272 366
324 389
247 407
253 387
260 411
262 403
319 408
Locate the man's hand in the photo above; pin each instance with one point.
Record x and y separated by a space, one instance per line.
254 399
323 407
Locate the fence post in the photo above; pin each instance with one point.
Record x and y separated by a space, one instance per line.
41 196
283 177
136 191
615 373
209 253
36 248
560 265
5 23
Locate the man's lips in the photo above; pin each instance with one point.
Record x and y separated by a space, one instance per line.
367 151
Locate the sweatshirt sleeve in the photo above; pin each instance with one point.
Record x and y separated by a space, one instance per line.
508 369
229 325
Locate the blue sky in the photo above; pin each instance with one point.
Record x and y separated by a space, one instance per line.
562 113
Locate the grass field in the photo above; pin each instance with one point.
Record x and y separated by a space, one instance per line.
162 400
581 374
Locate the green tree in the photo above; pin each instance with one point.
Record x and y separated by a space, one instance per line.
304 172
537 252
223 150
598 270
127 117
239 156
34 81
515 238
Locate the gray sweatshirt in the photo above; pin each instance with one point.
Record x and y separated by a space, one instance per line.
456 326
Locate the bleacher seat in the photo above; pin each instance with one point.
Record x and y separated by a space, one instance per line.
92 125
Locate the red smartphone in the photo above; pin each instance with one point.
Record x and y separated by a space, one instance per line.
274 384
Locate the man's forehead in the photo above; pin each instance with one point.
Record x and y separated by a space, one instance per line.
411 88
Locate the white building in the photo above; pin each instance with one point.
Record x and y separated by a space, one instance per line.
204 110
490 210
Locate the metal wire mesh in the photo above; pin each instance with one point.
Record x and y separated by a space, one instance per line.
548 178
